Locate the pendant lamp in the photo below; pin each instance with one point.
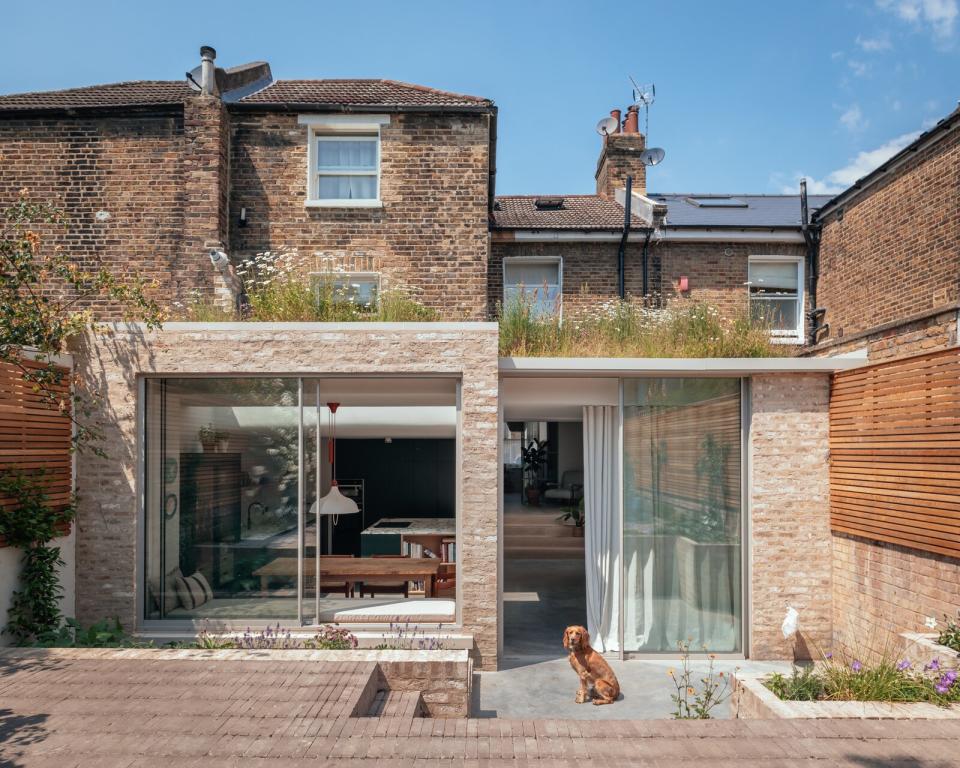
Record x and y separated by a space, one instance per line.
334 503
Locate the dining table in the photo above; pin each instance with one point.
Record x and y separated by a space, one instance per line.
355 570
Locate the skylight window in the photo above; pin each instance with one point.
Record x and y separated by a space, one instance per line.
717 201
548 203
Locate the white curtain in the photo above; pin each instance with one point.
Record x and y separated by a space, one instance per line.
602 527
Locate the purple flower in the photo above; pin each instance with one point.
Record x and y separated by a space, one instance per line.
856 666
904 665
941 688
950 677
934 665
829 656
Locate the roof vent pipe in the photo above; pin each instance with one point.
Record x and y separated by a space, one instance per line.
615 114
632 123
207 75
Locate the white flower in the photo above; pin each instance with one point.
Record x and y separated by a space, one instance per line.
930 622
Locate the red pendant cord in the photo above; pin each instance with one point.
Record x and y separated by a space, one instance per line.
333 442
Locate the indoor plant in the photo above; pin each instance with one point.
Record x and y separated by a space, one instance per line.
575 514
534 457
211 438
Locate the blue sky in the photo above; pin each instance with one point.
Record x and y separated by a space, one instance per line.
750 95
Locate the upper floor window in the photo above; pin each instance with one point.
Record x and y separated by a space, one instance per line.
343 160
537 281
348 168
776 295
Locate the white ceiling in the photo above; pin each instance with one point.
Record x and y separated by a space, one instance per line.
554 399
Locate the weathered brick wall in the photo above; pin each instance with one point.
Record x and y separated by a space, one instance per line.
790 553
107 566
174 181
717 272
893 253
431 233
881 590
137 167
619 158
916 337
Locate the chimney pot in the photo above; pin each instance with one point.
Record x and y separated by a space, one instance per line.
207 70
632 123
615 114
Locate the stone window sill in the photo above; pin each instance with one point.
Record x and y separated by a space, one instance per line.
343 204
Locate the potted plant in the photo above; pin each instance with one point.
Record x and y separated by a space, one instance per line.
533 458
575 514
209 435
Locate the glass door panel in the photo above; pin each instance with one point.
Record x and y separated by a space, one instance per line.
394 457
221 498
682 540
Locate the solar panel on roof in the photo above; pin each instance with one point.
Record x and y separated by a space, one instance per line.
717 201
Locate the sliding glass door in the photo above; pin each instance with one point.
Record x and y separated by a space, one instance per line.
240 477
682 523
221 497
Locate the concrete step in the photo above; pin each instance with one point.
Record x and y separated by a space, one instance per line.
536 512
547 530
565 542
541 553
402 704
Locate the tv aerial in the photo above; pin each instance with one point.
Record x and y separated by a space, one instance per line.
607 126
644 96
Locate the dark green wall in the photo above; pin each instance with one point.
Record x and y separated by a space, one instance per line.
404 478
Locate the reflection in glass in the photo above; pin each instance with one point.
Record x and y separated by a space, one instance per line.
221 496
223 476
682 514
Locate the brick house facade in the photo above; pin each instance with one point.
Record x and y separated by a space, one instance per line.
716 272
158 176
170 171
133 165
889 263
889 282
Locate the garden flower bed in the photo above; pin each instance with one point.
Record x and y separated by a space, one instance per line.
850 689
924 648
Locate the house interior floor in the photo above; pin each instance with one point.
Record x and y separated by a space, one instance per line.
544 587
333 609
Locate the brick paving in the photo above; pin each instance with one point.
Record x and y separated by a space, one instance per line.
119 713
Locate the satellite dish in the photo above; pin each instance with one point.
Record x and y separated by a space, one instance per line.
194 77
652 156
607 126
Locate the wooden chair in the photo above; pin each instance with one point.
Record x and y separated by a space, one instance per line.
385 586
447 580
329 586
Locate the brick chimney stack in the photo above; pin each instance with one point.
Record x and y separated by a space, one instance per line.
620 157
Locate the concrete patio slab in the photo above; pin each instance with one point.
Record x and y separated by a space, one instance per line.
546 688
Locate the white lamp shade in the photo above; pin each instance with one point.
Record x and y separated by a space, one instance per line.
334 503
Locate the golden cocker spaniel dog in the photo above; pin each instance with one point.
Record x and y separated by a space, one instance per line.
597 680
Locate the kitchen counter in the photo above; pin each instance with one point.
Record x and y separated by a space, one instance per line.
418 526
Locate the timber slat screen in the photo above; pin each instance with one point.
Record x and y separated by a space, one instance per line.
895 452
35 432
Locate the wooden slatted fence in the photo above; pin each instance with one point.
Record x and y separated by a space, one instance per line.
895 452
35 432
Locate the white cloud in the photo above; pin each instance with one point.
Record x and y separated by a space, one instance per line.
838 180
853 120
939 16
874 44
859 68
